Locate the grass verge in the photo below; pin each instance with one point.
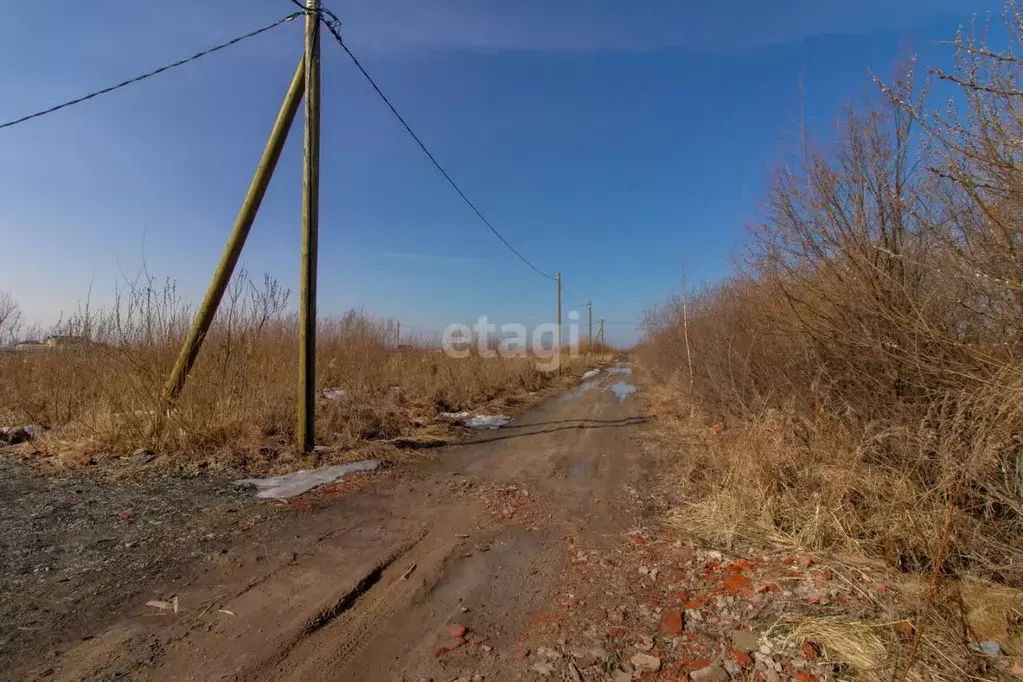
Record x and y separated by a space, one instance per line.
376 397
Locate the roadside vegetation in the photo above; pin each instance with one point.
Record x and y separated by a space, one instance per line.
856 386
97 399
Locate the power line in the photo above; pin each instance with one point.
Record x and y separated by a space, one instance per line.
573 299
150 74
333 24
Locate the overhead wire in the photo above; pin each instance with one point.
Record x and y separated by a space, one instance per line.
150 74
570 297
333 24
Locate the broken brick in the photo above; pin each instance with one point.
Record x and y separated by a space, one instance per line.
698 664
672 623
741 657
450 646
736 583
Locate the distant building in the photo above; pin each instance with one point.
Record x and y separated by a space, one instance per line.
28 346
59 341
55 342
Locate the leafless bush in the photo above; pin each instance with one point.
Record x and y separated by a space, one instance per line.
10 318
868 355
238 408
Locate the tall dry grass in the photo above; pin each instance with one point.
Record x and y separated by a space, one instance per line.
865 358
237 410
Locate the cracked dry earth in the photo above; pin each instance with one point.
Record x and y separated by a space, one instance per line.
543 550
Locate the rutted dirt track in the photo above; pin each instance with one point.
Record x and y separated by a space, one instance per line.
377 585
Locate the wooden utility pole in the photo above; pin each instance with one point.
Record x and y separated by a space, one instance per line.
306 430
601 335
685 326
589 308
242 225
558 340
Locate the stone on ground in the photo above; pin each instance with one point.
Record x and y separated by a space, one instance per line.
646 662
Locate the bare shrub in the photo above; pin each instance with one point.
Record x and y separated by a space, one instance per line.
866 360
237 410
10 318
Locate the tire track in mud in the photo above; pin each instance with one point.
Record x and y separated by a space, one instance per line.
336 642
345 603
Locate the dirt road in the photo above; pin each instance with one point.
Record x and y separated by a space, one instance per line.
441 569
554 548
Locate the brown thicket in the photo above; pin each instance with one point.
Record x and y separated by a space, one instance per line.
237 410
866 358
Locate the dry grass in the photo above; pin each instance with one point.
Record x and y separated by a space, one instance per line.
238 409
861 646
994 612
863 371
967 610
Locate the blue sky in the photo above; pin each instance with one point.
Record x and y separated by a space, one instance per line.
606 139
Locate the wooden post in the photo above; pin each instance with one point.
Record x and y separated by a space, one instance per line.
589 308
397 337
559 323
685 331
601 335
242 224
306 431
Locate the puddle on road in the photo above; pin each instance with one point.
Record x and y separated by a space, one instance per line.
577 393
622 390
619 370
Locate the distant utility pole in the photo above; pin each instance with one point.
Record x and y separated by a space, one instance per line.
558 280
306 429
589 308
685 325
